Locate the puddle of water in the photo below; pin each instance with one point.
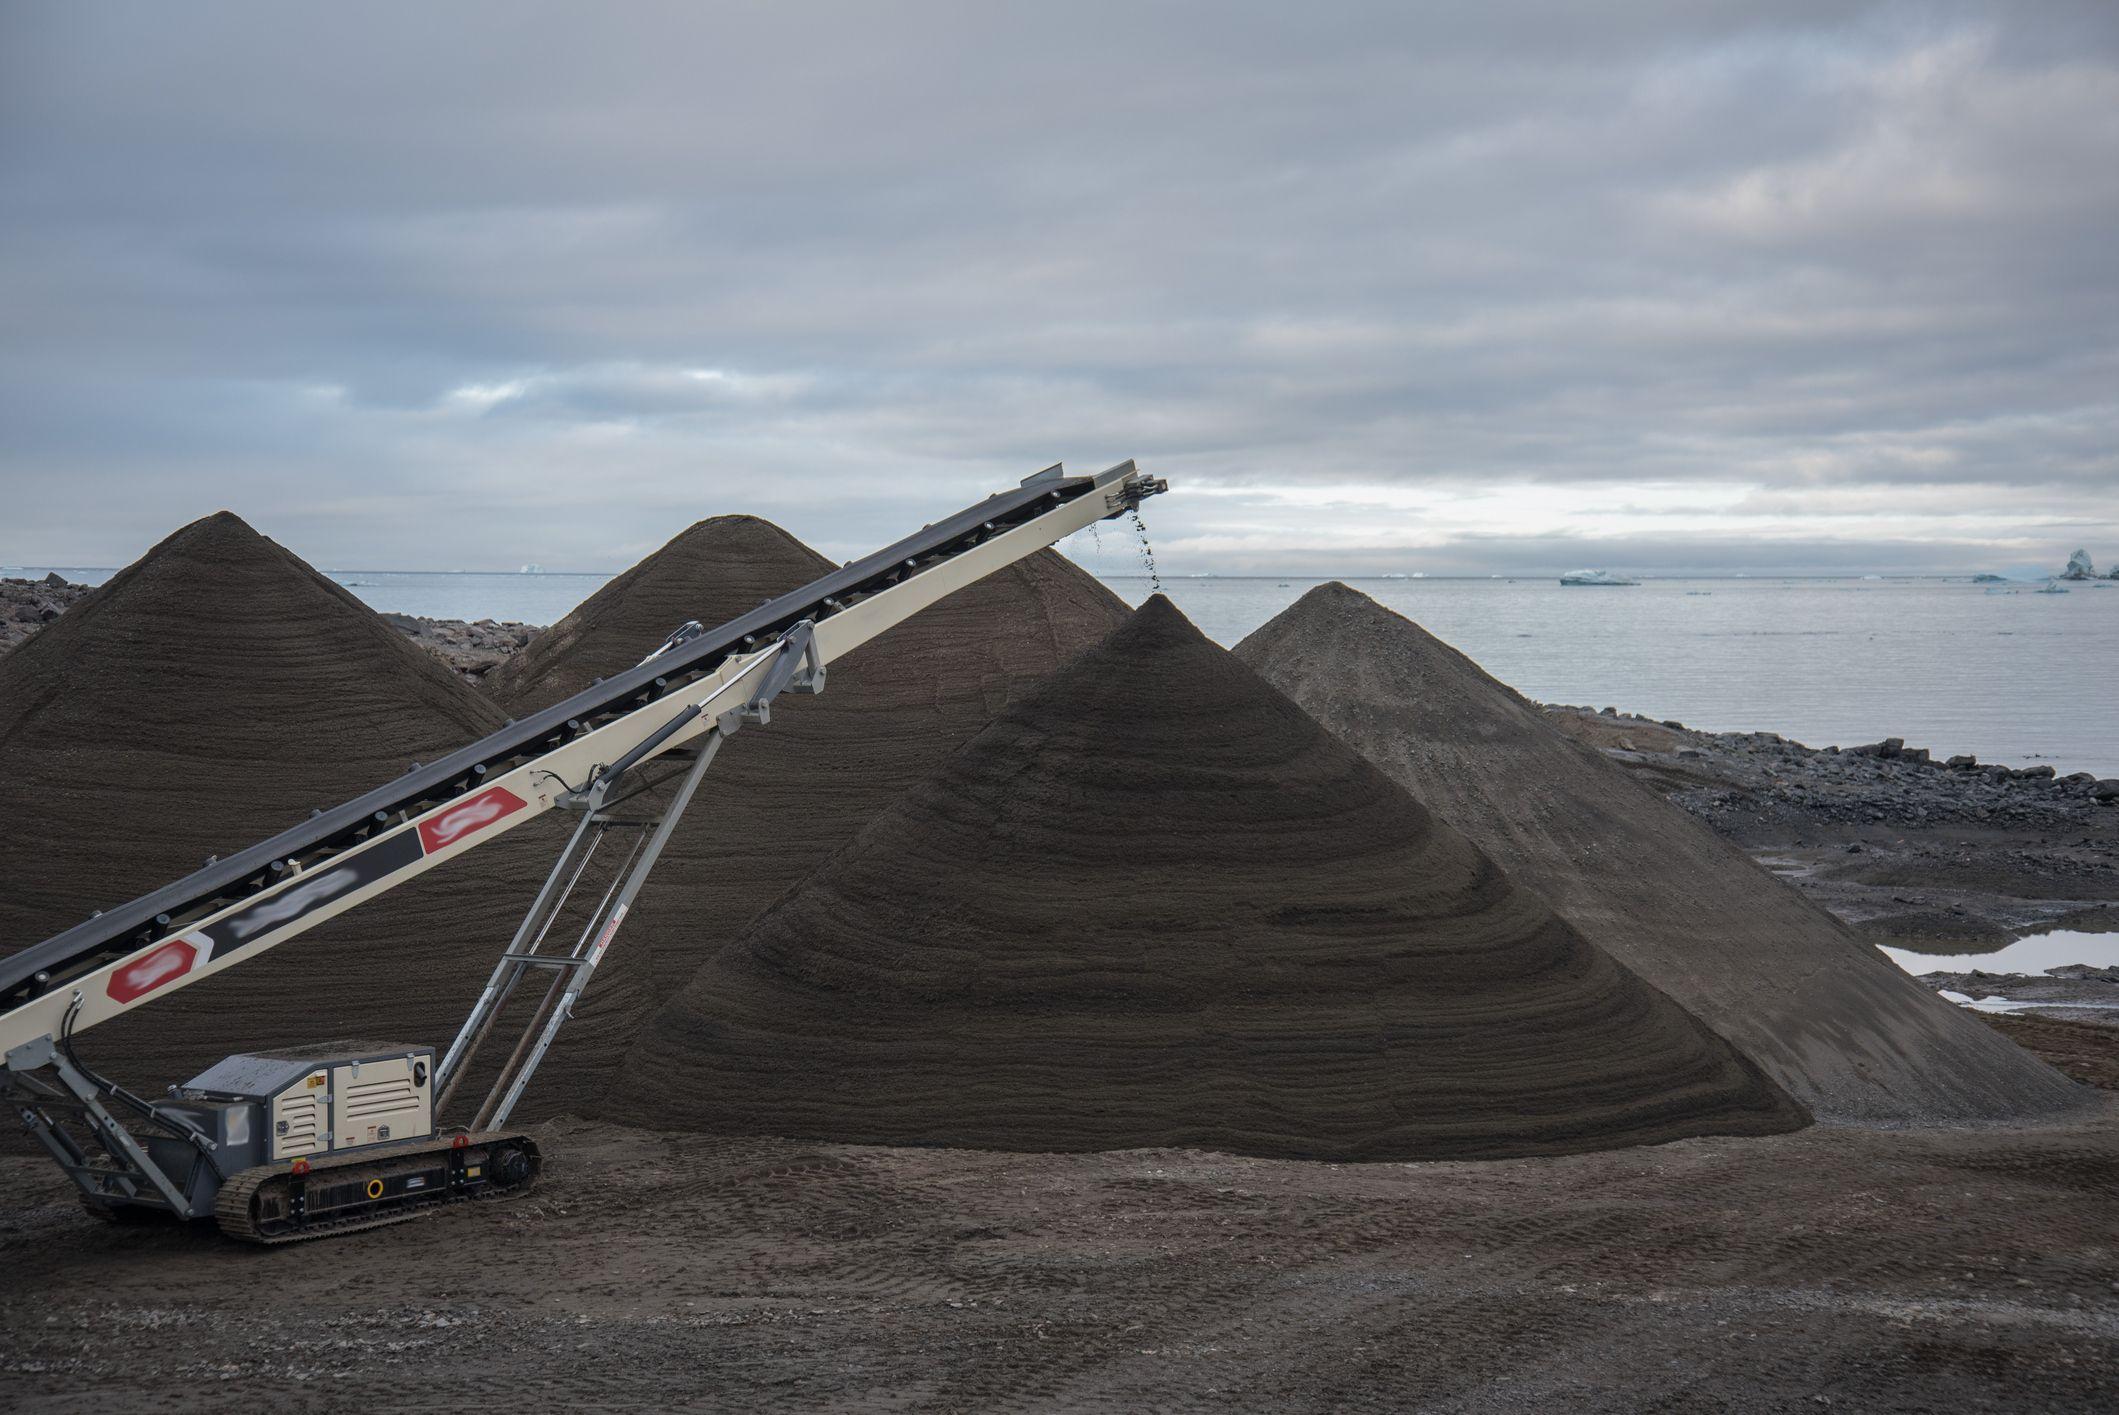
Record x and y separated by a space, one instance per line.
2031 954
2003 1004
1982 1004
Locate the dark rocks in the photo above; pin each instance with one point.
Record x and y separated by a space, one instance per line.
28 605
471 650
2082 990
2015 851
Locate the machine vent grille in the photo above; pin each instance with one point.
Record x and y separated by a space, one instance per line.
370 1098
303 1119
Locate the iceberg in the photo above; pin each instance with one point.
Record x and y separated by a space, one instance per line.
1594 577
2079 567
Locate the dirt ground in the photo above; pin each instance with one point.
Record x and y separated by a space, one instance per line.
2083 1051
1944 1270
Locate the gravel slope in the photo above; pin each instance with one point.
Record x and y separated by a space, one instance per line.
1155 904
1826 1015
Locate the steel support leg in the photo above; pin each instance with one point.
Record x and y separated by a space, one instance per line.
520 957
132 1170
602 928
799 668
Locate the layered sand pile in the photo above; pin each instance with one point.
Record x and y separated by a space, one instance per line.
1154 903
1825 1014
713 571
209 696
780 798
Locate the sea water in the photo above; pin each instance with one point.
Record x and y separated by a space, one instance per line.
2013 677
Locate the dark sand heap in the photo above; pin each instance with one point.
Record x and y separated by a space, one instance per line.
1155 904
782 797
713 571
1824 1013
204 699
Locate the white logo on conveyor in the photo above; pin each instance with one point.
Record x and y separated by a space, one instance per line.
157 968
465 819
298 900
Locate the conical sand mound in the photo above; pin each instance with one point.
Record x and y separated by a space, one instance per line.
1825 1014
1155 904
207 697
782 797
714 571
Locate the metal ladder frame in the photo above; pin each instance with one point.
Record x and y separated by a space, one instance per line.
800 667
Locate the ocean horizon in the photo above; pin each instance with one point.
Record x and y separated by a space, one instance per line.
1998 671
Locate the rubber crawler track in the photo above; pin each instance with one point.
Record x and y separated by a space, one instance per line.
234 1207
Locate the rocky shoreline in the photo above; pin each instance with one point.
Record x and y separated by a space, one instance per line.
472 649
28 605
1937 856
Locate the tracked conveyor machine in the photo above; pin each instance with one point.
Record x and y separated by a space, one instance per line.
284 1145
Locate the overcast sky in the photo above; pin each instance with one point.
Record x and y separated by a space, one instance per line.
1653 284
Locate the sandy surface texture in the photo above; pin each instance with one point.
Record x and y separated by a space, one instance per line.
1827 1016
713 571
2087 1052
781 797
1831 1269
207 697
1154 903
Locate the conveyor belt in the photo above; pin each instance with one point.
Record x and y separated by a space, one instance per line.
47 966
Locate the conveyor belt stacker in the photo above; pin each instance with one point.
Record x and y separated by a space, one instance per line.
285 1145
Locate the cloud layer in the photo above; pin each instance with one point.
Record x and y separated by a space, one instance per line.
1661 285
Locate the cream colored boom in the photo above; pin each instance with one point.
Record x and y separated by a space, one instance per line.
309 897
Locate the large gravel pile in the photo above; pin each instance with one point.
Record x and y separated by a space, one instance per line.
1156 904
1827 1016
207 697
713 571
781 797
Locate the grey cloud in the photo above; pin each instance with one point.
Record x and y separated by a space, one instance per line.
485 283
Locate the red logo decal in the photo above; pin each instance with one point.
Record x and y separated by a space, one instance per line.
468 817
150 970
